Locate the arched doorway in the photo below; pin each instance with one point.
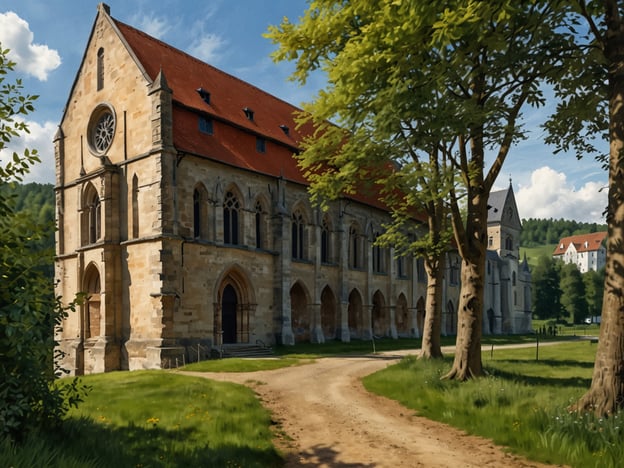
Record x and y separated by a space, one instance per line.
402 316
300 315
420 315
354 312
379 315
232 307
229 311
328 313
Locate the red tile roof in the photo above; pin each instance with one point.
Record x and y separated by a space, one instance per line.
235 134
582 242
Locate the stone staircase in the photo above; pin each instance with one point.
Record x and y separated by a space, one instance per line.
245 350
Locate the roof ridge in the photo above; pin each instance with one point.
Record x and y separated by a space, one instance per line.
192 57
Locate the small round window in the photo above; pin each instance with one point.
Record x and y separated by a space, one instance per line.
101 129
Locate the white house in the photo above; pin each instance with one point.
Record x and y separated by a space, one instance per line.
586 251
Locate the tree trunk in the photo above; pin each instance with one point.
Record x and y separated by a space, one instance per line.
430 348
606 393
467 362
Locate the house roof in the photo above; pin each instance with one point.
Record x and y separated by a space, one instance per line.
581 242
231 99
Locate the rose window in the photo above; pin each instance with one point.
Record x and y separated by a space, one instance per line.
103 132
101 129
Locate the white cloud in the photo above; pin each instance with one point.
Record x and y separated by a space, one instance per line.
207 47
34 59
41 139
550 195
152 25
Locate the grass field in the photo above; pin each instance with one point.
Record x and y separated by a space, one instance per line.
155 419
163 419
521 404
533 253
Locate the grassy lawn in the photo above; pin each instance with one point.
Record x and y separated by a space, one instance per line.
246 365
156 419
521 404
533 253
336 348
163 419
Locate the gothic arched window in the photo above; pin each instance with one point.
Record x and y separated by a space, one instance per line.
91 216
508 243
231 208
297 236
379 256
100 69
355 249
325 252
135 206
260 220
196 214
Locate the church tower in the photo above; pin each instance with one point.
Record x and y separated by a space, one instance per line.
508 303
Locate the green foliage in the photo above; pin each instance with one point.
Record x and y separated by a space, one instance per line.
594 290
546 288
573 297
29 312
534 253
521 404
537 232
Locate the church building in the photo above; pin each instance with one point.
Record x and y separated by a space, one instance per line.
184 219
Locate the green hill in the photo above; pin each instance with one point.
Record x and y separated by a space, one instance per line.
533 253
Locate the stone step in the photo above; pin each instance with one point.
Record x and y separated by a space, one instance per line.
245 350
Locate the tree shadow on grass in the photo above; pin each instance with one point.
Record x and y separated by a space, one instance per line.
533 380
550 363
142 447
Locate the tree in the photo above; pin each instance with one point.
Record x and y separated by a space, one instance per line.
29 312
594 290
457 72
406 162
546 288
573 298
590 110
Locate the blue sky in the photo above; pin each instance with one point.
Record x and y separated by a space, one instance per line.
48 39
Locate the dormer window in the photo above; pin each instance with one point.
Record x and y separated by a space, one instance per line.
249 113
285 129
205 95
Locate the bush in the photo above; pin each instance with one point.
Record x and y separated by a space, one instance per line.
29 312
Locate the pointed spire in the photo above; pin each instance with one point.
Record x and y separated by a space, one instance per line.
160 83
525 263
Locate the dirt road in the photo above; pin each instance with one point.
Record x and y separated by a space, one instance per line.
334 422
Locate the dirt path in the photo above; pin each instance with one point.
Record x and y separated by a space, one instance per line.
334 422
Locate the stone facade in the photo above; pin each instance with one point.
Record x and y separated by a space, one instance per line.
507 301
184 219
